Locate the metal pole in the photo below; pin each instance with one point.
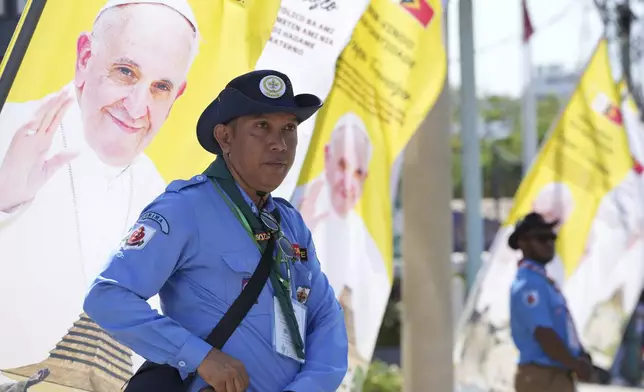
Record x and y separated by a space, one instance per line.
529 109
496 182
427 327
470 154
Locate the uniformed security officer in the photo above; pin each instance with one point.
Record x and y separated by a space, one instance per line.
542 328
196 245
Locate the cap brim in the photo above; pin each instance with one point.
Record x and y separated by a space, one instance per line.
513 240
237 105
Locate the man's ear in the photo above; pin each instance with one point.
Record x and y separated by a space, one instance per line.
224 135
83 54
327 155
182 89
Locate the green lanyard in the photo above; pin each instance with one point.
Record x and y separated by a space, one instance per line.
281 287
244 222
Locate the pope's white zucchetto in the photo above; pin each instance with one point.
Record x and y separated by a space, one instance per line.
181 6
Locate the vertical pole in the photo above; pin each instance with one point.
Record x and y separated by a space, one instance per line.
496 182
529 106
427 246
470 154
427 327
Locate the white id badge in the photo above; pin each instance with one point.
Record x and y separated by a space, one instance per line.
282 341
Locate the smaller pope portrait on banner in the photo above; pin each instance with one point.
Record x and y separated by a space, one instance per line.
347 252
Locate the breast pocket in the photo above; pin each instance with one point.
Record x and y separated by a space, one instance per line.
239 266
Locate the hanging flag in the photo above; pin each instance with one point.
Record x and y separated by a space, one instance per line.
386 80
584 177
529 104
305 44
119 77
528 30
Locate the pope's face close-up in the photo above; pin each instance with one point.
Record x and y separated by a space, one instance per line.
346 171
129 73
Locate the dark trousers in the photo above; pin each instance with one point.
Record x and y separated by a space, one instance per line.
536 378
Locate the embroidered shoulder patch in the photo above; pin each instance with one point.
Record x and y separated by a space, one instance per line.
531 298
158 218
138 237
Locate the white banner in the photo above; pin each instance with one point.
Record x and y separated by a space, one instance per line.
307 40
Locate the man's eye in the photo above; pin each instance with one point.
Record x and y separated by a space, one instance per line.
125 71
162 86
262 124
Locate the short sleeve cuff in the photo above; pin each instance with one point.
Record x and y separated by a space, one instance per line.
542 324
191 355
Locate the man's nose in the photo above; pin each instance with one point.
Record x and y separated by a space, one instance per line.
136 102
277 142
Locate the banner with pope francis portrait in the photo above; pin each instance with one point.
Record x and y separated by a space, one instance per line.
386 80
100 98
100 101
586 178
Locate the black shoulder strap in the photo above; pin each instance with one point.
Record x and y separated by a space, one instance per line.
238 310
218 171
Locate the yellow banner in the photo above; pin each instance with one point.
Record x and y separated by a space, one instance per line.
584 177
386 80
100 116
586 155
233 35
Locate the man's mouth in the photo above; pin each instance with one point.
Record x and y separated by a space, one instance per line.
129 129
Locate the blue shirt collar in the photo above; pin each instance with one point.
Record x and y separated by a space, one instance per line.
534 264
269 205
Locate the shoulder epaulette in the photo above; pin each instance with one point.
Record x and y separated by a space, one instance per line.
178 185
284 202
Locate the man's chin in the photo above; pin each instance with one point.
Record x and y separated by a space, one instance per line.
340 206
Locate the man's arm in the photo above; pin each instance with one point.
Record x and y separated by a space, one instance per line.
532 309
117 299
326 342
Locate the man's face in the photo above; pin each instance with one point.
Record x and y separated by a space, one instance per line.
128 77
261 149
346 169
538 244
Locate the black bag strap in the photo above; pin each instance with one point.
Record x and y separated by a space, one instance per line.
233 317
249 294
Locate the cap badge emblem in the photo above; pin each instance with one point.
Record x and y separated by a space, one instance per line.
272 86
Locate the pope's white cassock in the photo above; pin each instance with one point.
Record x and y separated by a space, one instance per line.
53 247
349 257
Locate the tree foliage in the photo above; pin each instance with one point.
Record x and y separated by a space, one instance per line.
383 378
508 162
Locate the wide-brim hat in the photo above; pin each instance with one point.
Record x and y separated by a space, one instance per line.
530 222
256 92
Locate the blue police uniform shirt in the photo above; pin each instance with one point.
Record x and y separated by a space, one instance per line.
536 302
197 256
